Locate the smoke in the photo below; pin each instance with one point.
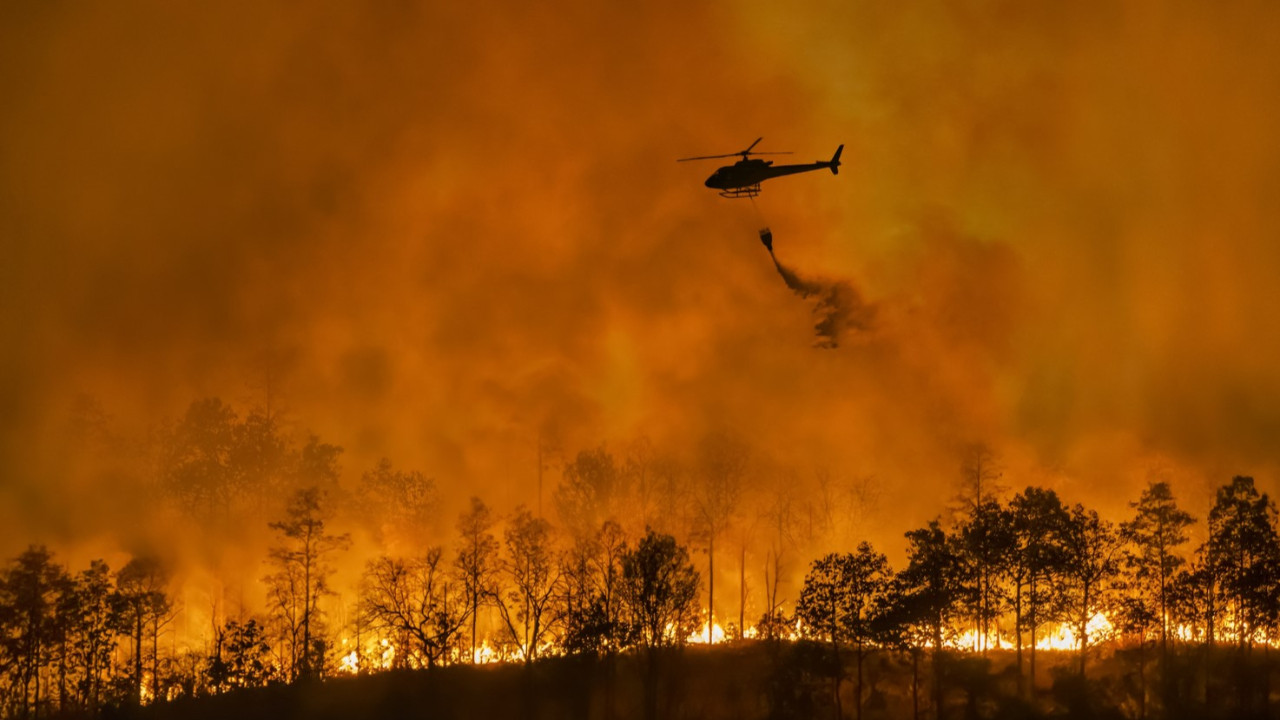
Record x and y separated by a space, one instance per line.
438 234
839 306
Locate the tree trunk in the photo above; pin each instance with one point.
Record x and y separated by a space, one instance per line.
651 684
937 669
857 698
835 648
742 592
915 683
711 584
1017 632
1031 684
1142 678
1084 630
137 657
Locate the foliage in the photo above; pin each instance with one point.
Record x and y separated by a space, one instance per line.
659 591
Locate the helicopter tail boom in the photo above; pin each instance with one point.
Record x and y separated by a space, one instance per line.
835 161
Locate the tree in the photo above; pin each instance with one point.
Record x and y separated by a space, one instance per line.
840 597
1151 558
241 658
30 591
301 579
413 600
317 465
1039 524
1090 562
589 604
198 456
659 591
1243 549
933 588
399 505
259 458
588 492
987 540
723 467
531 567
821 609
92 626
143 606
476 561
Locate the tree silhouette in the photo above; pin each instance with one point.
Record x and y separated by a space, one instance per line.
476 561
840 597
588 492
1154 535
589 605
241 657
197 467
143 606
722 473
1091 559
29 595
1039 523
301 579
987 540
933 588
530 565
398 505
659 591
92 621
1243 550
413 600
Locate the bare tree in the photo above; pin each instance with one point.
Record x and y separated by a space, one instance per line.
476 561
301 579
141 587
530 565
415 601
588 603
722 474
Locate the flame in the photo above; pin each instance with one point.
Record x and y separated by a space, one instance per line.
699 637
1065 638
486 654
377 654
350 663
968 640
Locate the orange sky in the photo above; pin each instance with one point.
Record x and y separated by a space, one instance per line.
446 227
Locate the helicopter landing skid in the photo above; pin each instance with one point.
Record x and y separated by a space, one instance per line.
749 191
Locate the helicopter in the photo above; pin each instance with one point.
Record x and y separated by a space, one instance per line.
742 179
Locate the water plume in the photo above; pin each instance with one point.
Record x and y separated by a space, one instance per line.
839 307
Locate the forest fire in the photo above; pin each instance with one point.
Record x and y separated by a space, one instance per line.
390 339
518 589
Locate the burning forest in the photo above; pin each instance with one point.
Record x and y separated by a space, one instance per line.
365 360
621 560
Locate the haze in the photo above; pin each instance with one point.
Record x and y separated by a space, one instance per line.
439 232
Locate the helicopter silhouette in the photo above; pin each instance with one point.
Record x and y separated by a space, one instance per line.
742 179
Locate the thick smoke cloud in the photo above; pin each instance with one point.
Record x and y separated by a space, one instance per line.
441 232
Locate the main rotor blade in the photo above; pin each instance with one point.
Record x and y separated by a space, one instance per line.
757 142
708 157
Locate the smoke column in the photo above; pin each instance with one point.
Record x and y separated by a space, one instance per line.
839 305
